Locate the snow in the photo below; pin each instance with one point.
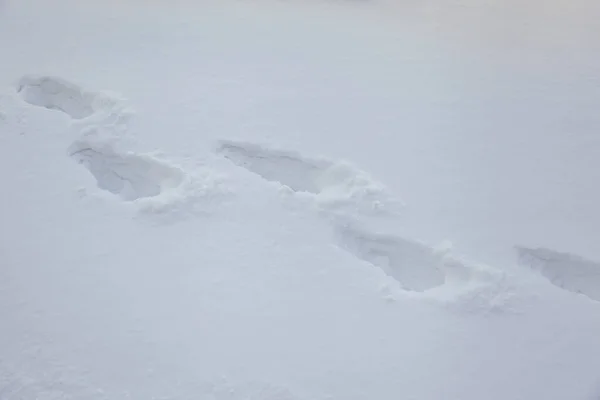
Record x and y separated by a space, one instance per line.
265 200
564 270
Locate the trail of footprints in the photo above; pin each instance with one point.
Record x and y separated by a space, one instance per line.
415 266
128 175
131 176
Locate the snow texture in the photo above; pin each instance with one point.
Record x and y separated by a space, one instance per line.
202 200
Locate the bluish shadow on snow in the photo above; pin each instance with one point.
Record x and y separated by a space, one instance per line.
59 94
417 267
130 176
287 168
56 94
338 187
566 271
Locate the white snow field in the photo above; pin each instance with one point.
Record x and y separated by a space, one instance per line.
300 200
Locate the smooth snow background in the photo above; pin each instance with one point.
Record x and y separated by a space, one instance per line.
481 117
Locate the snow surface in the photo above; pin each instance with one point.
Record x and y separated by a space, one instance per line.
266 200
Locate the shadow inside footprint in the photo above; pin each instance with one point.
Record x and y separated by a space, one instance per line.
564 270
416 266
286 168
57 94
127 175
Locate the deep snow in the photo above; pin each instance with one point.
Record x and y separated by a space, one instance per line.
347 200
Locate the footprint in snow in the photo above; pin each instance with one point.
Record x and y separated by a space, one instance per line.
564 270
128 175
344 193
55 93
338 186
415 266
102 120
284 167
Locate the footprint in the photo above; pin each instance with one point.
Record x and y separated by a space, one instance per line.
287 168
339 187
128 175
345 193
566 271
58 94
415 266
